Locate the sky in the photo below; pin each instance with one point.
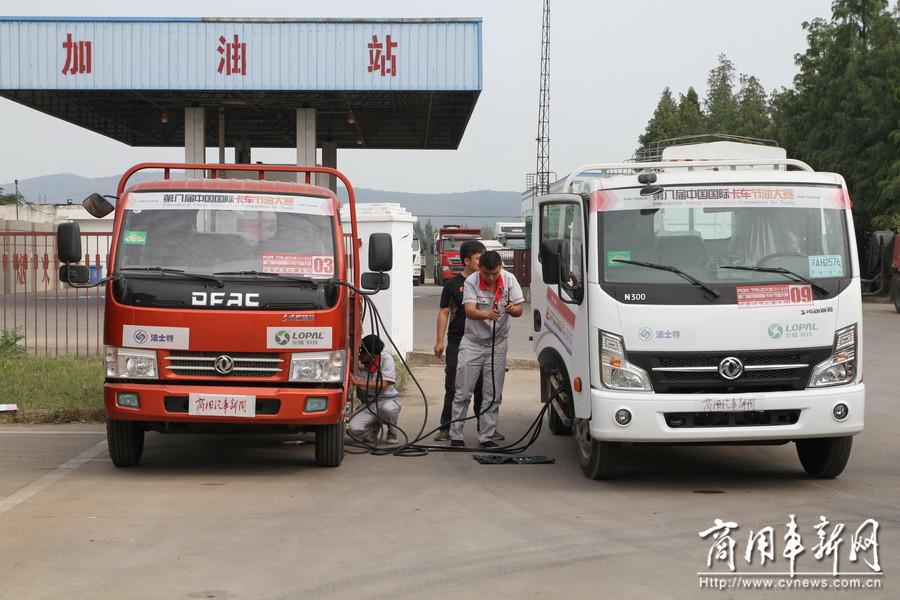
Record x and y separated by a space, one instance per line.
609 62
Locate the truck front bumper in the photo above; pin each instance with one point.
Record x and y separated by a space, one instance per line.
780 416
162 402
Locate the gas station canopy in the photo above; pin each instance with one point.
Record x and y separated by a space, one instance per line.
374 83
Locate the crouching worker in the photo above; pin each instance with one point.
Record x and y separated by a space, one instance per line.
375 389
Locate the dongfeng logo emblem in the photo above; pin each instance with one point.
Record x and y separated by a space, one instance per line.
224 364
731 368
282 338
775 331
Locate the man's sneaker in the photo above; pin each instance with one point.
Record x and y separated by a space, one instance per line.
391 438
457 443
498 436
488 444
442 436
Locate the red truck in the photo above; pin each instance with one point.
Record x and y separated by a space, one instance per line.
446 250
228 305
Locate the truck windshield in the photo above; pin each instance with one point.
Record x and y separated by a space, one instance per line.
220 232
704 239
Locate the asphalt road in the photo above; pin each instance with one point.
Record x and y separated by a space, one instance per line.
254 518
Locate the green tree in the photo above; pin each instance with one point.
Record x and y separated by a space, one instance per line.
664 122
752 118
690 117
843 113
721 101
11 198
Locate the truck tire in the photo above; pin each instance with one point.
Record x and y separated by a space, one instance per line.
416 280
330 445
598 460
125 440
824 457
551 380
422 277
895 291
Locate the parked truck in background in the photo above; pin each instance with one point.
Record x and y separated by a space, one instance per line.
418 261
224 305
446 250
711 297
510 235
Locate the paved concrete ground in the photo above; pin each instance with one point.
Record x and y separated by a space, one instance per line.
253 518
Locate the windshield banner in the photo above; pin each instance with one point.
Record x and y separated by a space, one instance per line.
215 200
722 196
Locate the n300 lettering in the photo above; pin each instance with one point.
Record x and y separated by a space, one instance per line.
635 297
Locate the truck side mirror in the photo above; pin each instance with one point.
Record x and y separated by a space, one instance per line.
68 242
381 252
97 206
74 274
375 281
554 256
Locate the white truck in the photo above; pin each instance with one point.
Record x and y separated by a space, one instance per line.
510 235
418 261
710 297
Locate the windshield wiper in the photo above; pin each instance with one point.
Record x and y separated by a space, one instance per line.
181 272
783 271
677 271
306 280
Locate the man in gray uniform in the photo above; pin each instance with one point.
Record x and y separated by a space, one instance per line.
490 297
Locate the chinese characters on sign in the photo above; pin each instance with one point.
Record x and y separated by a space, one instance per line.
78 56
233 56
863 544
382 58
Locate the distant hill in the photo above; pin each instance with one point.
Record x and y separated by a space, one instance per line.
476 209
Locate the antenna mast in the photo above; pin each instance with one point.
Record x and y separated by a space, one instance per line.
542 179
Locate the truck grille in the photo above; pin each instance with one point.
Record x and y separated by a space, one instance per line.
698 372
732 419
242 364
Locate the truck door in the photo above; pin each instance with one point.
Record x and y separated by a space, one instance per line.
561 311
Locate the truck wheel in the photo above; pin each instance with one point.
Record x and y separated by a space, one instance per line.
550 383
330 445
598 460
824 457
422 277
416 280
125 440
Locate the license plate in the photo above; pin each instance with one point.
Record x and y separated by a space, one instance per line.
731 403
221 405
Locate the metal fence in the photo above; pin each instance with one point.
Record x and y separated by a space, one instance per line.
45 316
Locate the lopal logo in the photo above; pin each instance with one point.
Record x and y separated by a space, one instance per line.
282 338
795 330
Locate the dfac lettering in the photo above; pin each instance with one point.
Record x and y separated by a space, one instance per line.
224 299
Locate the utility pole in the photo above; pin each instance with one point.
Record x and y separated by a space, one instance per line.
542 178
17 199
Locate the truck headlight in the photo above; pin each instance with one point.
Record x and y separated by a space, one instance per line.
615 370
840 368
318 367
131 363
